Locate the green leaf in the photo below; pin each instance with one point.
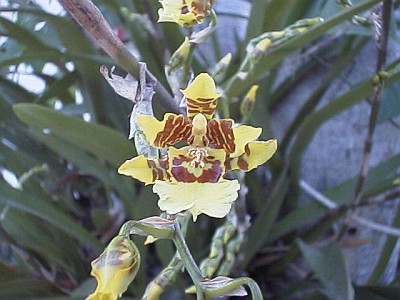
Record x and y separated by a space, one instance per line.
259 231
103 142
45 210
390 106
26 287
329 267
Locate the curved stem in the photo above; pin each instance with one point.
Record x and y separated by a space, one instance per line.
188 261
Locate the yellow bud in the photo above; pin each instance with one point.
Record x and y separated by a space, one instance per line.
248 101
179 57
259 50
115 269
221 67
263 45
153 291
191 290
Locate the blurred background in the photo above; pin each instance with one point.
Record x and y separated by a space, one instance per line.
63 134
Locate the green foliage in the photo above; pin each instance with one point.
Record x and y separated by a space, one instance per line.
61 147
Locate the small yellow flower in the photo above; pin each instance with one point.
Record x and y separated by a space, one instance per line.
192 177
184 12
115 269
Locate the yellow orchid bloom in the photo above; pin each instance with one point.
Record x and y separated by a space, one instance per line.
184 12
115 269
192 177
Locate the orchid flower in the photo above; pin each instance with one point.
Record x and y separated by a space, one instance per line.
184 12
192 177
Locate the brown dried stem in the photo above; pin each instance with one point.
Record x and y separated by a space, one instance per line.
92 21
377 99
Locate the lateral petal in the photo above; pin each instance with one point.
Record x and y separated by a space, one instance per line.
244 134
256 153
145 170
171 130
221 135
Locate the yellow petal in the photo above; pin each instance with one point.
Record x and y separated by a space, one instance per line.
201 96
171 130
101 296
244 134
172 198
256 153
170 11
203 86
145 170
212 199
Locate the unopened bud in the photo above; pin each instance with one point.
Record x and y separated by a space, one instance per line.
263 45
115 269
344 3
221 67
307 22
179 57
248 101
153 291
259 50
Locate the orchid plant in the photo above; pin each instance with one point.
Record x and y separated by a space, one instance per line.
195 162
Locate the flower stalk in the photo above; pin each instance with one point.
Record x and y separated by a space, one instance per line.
188 261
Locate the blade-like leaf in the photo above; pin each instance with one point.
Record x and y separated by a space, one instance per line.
328 265
45 210
103 142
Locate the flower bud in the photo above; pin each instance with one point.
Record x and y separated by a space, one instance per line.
219 71
153 291
248 101
115 269
179 57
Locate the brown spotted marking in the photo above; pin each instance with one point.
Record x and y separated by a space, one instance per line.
242 163
205 106
159 169
176 129
220 134
209 174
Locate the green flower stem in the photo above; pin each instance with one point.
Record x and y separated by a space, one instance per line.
186 67
188 261
235 284
167 276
